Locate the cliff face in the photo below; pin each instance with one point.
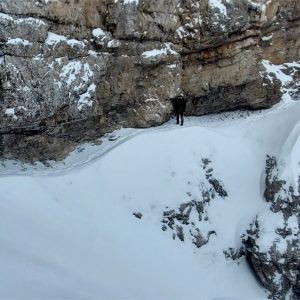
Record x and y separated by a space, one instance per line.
71 70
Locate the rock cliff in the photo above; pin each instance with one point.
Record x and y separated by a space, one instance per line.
72 70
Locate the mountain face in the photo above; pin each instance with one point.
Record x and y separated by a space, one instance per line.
72 70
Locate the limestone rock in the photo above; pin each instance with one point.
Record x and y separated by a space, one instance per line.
106 64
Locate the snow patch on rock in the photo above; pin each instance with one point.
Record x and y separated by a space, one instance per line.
283 73
167 50
219 5
99 33
113 44
269 223
267 38
30 21
18 41
11 112
277 71
73 69
86 98
131 2
74 43
5 17
54 39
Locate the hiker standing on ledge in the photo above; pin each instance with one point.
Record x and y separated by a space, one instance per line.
179 105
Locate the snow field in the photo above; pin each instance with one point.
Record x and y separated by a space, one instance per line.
68 232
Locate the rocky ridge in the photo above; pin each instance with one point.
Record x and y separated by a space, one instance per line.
72 70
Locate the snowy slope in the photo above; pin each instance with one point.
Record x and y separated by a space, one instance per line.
67 229
72 235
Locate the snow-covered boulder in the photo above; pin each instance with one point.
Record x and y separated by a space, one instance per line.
272 243
282 177
273 251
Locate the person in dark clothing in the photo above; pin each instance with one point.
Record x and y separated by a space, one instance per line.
179 105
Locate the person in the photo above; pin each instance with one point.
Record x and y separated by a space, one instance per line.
179 106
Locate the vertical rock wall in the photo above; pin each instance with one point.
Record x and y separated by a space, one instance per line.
71 70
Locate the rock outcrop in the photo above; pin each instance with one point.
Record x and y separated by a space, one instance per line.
273 251
71 70
272 242
190 221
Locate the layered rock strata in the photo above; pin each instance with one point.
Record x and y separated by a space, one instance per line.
72 70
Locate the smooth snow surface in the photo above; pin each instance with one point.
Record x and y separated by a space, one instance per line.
68 232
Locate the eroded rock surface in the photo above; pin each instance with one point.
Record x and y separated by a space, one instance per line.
71 70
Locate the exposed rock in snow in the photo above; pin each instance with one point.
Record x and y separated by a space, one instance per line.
273 239
190 222
283 177
273 250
